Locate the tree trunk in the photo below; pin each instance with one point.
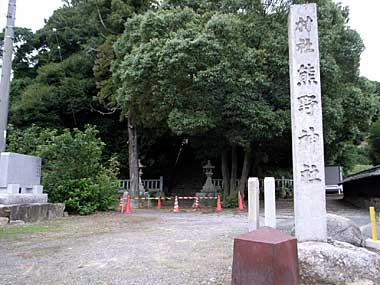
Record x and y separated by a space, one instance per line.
234 166
245 171
133 155
225 174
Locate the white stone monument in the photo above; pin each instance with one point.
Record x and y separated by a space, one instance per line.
307 130
20 179
253 203
270 202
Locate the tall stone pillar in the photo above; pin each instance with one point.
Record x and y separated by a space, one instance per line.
307 130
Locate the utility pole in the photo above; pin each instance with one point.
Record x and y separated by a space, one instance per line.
6 72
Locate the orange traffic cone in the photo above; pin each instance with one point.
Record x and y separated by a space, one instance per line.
218 205
196 203
240 202
176 207
159 203
128 205
121 204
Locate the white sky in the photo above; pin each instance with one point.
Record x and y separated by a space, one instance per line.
30 13
364 18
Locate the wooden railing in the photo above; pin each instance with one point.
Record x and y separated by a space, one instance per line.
157 185
281 183
218 183
150 185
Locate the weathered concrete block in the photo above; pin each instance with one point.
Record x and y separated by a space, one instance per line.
32 212
12 199
265 257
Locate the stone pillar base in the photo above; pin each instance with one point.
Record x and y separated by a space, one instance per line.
19 199
265 257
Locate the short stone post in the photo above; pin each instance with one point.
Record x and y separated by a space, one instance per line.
270 202
253 203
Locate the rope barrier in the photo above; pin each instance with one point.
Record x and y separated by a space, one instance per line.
172 198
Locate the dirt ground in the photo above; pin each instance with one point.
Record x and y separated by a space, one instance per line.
146 247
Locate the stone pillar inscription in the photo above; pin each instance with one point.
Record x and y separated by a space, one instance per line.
307 130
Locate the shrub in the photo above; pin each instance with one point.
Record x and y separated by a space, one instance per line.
231 201
374 142
73 172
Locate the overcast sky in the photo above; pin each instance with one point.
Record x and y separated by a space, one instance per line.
30 13
364 17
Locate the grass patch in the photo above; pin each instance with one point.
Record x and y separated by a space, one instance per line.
30 229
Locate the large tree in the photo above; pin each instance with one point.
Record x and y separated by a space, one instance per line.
59 70
219 69
203 74
215 72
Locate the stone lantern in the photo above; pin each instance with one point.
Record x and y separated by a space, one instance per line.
208 170
141 186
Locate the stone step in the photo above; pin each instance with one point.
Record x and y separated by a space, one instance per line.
32 212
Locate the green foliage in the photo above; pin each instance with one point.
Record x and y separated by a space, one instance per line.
22 66
15 233
230 202
86 195
28 141
204 68
212 71
59 95
73 172
374 142
59 69
197 74
359 167
352 155
72 154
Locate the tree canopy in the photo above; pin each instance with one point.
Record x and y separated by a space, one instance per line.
219 69
214 72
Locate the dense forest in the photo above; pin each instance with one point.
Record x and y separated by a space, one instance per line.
107 82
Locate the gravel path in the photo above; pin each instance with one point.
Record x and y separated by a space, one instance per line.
146 247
